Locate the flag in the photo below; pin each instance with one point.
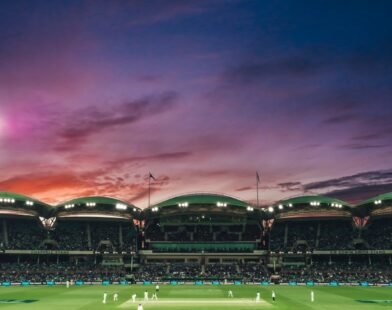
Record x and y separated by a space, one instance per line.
257 177
151 176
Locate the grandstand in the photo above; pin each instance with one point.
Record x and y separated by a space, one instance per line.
200 237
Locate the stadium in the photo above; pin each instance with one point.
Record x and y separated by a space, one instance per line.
197 247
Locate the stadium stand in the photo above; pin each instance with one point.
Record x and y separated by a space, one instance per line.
201 236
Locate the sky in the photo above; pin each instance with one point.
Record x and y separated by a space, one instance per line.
94 95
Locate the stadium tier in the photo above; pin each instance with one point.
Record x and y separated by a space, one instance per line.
196 237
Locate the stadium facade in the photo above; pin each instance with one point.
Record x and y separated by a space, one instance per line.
201 236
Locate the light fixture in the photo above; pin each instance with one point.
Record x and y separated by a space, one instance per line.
280 207
121 206
271 209
221 204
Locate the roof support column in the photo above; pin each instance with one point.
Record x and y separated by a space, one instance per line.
286 233
318 234
88 231
120 235
5 233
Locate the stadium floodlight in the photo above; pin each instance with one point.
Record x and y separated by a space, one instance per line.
221 204
29 203
1 199
121 206
315 203
69 206
134 209
91 204
290 205
183 204
280 207
154 209
377 202
271 209
249 208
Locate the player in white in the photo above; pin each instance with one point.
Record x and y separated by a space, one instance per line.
154 296
133 297
105 295
140 307
311 296
157 288
257 297
273 295
115 297
230 294
67 283
145 296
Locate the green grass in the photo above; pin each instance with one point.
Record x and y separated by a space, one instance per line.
193 297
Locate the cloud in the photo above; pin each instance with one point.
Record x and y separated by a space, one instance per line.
352 188
91 120
53 187
160 157
243 189
360 193
290 186
260 70
370 178
363 146
166 11
339 119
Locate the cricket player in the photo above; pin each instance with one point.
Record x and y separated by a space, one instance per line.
273 295
230 294
67 283
311 296
140 307
105 295
133 297
115 297
145 296
257 297
154 296
157 288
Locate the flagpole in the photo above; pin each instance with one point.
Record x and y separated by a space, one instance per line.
149 190
257 192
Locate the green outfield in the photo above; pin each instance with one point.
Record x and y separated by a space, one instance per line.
193 297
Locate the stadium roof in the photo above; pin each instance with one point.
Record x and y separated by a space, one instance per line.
300 200
202 203
14 204
382 197
96 207
21 197
97 199
311 206
380 205
203 199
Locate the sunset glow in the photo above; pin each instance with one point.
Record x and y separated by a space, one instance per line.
201 93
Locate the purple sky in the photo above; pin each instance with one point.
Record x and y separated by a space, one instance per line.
95 94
